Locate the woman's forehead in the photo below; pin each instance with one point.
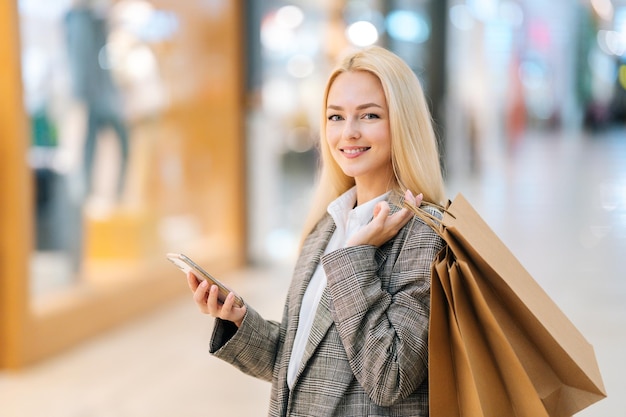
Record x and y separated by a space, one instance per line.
355 86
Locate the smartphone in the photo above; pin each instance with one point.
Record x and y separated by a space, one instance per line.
185 264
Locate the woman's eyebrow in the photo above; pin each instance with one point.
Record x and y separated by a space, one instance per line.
359 107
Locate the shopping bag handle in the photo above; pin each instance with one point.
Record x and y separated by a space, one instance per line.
431 220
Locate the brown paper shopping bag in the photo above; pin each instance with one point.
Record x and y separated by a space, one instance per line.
498 345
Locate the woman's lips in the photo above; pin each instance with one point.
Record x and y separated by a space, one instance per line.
354 152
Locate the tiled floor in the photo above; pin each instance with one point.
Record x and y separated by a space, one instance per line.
559 203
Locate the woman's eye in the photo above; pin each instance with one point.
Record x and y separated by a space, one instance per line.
370 116
334 117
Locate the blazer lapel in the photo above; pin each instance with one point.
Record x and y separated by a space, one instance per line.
322 322
315 245
304 269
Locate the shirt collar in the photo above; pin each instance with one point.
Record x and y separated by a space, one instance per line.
343 207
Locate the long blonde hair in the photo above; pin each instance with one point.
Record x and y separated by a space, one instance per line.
414 151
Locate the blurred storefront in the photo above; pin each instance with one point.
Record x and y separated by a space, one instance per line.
205 115
122 139
516 66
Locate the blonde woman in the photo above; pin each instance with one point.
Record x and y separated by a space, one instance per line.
353 337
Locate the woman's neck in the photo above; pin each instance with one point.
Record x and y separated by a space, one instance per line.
364 194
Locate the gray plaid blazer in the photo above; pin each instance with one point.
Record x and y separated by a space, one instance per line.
367 353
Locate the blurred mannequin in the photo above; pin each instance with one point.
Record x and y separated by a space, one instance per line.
93 83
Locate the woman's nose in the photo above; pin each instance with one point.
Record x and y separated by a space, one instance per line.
351 129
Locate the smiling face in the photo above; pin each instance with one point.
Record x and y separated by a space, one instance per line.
357 131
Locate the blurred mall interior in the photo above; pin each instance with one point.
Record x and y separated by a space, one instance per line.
133 128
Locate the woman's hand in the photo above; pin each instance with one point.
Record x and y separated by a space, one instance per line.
383 226
206 299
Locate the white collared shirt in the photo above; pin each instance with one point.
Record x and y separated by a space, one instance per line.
348 219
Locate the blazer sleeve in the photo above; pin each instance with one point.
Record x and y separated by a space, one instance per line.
252 347
384 327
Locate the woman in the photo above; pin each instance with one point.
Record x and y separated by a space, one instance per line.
353 337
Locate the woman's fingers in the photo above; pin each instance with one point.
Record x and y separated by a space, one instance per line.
232 313
229 304
206 298
409 197
192 281
381 210
412 199
226 310
397 220
392 224
212 302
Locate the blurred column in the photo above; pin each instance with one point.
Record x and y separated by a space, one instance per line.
417 31
437 69
262 169
16 238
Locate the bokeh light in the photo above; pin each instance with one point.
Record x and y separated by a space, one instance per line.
362 33
409 26
461 17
